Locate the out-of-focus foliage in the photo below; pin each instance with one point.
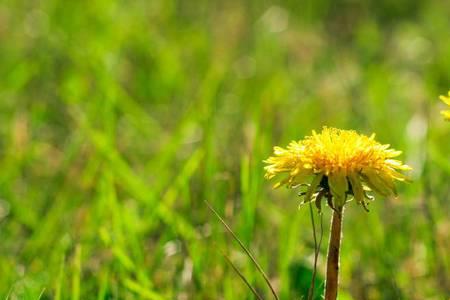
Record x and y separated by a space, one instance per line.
119 118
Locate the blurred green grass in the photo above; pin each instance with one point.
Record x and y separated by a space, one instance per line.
120 118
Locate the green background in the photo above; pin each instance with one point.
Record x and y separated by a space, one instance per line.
119 118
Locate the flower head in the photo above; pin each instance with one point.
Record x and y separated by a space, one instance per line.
446 99
341 162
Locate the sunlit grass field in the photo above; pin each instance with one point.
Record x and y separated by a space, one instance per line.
120 118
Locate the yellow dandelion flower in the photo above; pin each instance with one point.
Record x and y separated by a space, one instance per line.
341 162
446 99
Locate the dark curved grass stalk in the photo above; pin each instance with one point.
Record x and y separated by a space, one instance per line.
316 249
243 278
252 258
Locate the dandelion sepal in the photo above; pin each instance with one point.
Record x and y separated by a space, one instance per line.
338 187
379 183
312 188
357 188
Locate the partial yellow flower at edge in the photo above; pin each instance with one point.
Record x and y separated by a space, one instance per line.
446 100
341 162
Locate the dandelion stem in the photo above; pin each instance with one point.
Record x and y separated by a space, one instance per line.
331 286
